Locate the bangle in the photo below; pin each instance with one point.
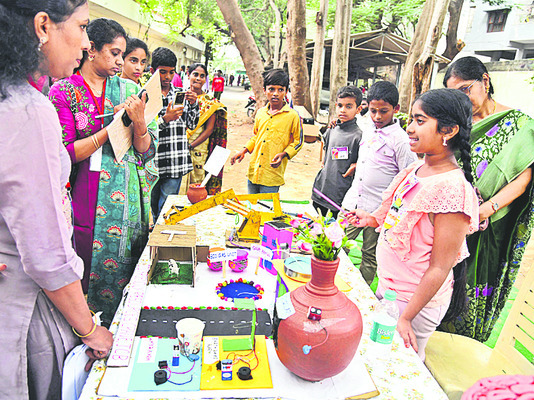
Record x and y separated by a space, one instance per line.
93 329
95 141
141 136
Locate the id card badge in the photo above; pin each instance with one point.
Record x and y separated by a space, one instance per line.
340 153
95 162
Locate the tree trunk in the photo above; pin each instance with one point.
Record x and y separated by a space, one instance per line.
339 61
208 53
296 50
277 29
420 61
318 58
247 47
455 10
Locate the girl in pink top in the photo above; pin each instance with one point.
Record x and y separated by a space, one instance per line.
426 213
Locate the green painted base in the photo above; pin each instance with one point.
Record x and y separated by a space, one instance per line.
164 276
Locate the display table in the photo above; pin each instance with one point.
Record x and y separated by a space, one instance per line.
404 376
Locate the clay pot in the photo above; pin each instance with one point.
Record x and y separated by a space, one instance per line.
196 193
333 340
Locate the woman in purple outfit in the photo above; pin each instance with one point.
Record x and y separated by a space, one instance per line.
40 273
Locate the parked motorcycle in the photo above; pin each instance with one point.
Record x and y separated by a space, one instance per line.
251 106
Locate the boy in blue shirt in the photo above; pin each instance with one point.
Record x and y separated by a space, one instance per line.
341 145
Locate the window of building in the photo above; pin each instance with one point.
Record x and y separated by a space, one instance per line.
497 20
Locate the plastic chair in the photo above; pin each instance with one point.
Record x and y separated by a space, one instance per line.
457 362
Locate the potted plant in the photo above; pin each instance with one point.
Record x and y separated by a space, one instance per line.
320 339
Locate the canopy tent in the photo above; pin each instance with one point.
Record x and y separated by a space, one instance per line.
368 50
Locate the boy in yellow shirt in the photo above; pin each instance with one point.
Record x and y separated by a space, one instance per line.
277 137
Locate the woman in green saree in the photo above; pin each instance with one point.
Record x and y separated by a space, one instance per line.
502 152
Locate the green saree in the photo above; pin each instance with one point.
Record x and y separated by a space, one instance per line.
122 212
502 147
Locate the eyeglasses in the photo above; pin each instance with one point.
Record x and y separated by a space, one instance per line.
467 89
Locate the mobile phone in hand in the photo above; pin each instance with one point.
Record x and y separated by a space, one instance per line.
179 99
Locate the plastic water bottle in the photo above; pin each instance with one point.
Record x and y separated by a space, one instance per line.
385 317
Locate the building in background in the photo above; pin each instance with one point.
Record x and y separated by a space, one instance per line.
128 13
502 32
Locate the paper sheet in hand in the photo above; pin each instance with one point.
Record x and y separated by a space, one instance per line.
216 160
120 136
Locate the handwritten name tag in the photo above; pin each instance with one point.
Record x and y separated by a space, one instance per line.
258 251
225 255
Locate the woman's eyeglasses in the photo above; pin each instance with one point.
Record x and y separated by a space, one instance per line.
467 89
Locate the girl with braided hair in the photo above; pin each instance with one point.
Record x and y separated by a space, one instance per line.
427 211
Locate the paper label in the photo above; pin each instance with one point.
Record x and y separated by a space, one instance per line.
211 349
340 153
226 255
216 160
259 251
95 162
382 333
148 347
284 306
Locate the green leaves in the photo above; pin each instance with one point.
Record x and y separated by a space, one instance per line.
325 235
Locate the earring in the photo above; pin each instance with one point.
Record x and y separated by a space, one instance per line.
487 89
444 141
91 57
41 42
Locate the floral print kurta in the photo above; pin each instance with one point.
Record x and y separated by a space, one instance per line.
112 205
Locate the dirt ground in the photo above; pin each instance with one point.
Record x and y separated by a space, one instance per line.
300 171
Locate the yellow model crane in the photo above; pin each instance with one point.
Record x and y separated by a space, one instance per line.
250 228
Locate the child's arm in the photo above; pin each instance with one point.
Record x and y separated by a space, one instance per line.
249 147
450 230
294 147
361 218
350 171
238 156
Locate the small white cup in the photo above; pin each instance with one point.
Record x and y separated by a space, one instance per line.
189 332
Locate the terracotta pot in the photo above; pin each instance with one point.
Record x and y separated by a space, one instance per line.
196 193
333 340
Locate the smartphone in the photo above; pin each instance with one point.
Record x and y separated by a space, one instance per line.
125 117
179 99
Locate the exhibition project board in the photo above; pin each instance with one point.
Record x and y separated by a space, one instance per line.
152 351
354 382
218 322
261 372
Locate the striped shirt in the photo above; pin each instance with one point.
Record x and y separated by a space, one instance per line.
173 158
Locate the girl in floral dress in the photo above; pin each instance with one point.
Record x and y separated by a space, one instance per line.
427 211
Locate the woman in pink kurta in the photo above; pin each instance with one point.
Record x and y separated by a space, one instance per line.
425 216
110 198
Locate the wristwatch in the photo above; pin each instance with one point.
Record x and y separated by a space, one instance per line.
494 205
